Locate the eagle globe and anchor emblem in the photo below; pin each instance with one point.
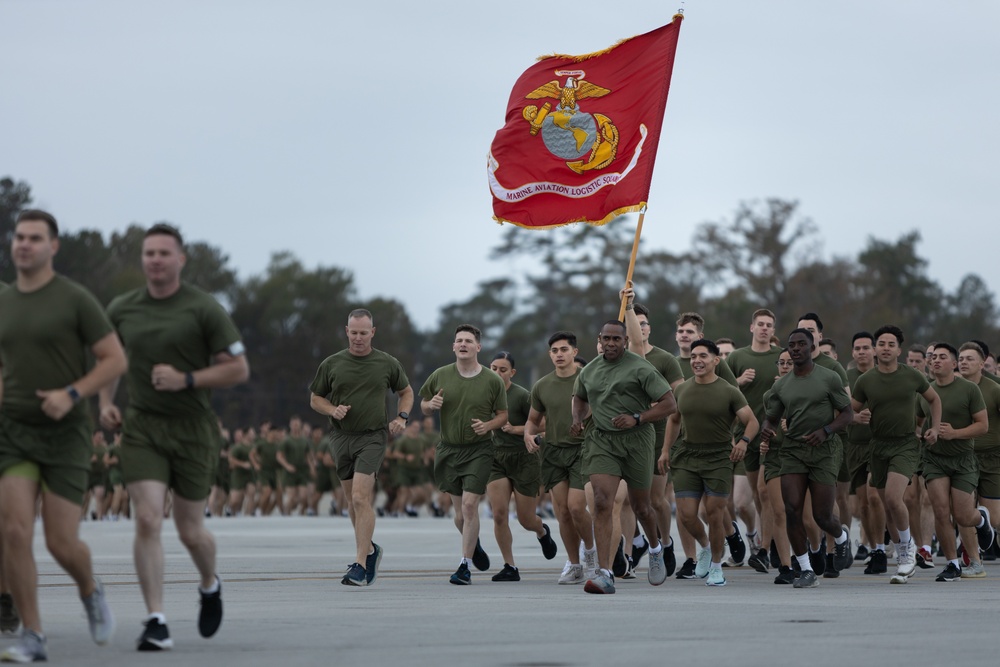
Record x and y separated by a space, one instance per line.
586 141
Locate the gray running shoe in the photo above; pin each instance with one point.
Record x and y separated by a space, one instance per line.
589 563
657 573
603 583
704 562
715 577
99 615
30 647
572 574
974 571
807 579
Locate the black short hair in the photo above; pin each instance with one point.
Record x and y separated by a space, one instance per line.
567 336
640 309
862 334
579 360
948 346
890 329
707 344
617 323
815 318
503 354
38 215
805 332
165 229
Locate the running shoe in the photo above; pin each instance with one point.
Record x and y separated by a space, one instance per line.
830 572
758 561
590 563
669 559
549 548
630 570
950 573
355 576
807 579
715 577
99 616
602 584
985 532
687 570
479 558
879 563
974 571
10 620
639 551
737 547
620 565
924 559
704 562
785 575
862 553
155 636
508 573
842 555
372 562
462 576
657 572
572 574
210 616
30 647
906 562
817 560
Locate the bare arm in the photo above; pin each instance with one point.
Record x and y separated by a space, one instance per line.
931 396
531 428
979 426
110 364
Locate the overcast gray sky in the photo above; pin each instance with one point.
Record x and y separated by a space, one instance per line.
356 134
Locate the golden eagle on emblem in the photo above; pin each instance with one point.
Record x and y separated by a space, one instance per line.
568 132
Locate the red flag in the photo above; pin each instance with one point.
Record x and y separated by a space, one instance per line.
581 134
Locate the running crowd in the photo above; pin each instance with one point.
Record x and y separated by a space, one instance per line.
776 434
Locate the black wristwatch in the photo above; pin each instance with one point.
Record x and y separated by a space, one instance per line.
745 439
828 430
405 416
637 417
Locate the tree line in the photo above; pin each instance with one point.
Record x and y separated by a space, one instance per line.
767 254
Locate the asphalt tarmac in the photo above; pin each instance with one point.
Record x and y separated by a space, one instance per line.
285 605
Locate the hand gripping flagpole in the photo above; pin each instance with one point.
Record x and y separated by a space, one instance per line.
631 262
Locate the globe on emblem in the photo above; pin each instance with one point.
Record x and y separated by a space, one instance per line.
569 135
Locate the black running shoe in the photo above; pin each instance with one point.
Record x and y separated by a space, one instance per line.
817 559
878 564
462 576
210 616
154 637
831 571
950 573
687 570
785 575
639 551
737 547
508 573
841 556
758 561
549 548
985 532
10 621
620 565
862 553
372 562
480 559
669 559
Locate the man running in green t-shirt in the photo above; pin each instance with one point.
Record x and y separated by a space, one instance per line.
808 398
473 403
625 395
889 392
181 344
950 467
350 388
709 406
48 327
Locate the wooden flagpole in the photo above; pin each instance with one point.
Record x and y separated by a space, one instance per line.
631 262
